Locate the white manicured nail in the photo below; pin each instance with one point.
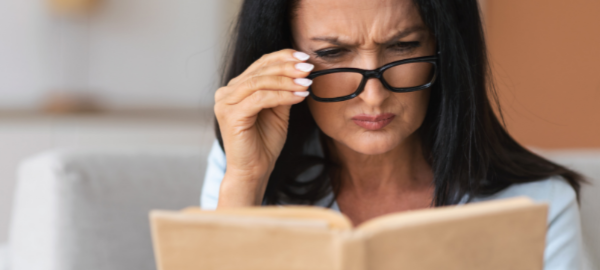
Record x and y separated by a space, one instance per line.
301 56
303 81
306 67
301 94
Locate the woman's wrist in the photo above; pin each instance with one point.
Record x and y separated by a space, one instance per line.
242 189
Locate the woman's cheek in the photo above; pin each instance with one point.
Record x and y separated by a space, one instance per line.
326 117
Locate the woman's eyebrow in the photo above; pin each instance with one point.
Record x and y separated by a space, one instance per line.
332 40
403 33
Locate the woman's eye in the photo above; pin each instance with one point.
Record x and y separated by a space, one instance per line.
405 46
330 53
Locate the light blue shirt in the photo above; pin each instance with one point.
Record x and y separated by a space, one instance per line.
563 239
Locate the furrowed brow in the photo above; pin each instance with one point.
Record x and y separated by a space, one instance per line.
333 40
402 34
336 40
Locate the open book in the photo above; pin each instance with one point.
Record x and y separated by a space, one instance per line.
503 234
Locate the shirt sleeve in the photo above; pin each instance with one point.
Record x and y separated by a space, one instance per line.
564 243
215 171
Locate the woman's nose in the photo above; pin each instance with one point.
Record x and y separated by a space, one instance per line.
374 92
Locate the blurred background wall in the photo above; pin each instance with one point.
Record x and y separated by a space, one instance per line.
164 56
126 54
545 55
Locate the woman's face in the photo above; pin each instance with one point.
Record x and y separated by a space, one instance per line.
365 34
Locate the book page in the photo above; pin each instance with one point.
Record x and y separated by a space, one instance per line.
496 235
423 216
186 241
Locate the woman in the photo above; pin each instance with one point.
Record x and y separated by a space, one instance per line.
372 107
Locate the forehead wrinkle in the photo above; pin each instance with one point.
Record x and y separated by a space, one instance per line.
399 21
346 31
396 35
358 23
399 34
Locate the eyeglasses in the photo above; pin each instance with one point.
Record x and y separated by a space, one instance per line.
402 76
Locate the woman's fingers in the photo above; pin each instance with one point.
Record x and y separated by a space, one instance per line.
279 71
276 79
265 99
258 101
273 83
294 70
289 69
285 55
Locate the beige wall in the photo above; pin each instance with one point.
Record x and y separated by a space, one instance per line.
546 58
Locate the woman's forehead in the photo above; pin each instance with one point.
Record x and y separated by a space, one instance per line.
355 21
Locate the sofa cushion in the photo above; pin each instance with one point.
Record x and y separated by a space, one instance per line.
89 209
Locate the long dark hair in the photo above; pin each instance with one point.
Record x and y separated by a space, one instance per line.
466 145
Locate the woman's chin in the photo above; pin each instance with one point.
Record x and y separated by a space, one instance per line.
372 146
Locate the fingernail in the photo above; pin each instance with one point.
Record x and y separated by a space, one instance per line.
301 56
303 81
306 67
301 93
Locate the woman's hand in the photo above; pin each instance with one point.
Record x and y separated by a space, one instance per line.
253 112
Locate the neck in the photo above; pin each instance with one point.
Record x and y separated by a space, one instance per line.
402 168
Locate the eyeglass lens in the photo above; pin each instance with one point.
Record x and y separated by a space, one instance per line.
341 84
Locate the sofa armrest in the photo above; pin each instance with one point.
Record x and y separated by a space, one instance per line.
89 209
3 256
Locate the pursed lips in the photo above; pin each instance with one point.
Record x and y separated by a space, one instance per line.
373 122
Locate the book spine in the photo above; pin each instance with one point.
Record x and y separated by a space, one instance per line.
351 253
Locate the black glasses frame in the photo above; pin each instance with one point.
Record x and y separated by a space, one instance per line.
375 73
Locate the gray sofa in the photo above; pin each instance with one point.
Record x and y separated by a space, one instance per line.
88 209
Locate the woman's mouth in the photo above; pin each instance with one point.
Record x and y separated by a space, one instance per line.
373 122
